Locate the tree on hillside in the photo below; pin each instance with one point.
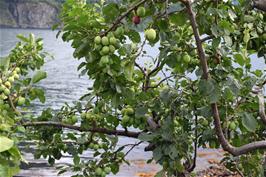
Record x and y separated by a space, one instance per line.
199 90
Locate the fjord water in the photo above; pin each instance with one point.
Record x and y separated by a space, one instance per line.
63 84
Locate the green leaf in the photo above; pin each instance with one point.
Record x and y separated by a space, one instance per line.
216 43
22 38
206 86
129 69
246 36
233 84
4 63
249 18
134 36
39 75
157 153
178 18
226 26
147 137
160 174
4 171
163 25
215 30
228 40
249 122
141 111
214 95
37 93
240 59
5 143
76 160
111 11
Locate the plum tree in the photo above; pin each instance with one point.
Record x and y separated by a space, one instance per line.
200 90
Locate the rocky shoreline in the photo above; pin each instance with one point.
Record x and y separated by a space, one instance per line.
28 14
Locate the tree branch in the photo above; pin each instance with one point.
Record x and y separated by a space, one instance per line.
73 127
13 106
236 151
161 81
200 49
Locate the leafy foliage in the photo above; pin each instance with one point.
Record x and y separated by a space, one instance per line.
16 92
164 99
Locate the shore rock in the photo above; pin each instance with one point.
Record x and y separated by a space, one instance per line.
28 14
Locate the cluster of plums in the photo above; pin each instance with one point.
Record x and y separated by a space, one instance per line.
107 45
102 172
129 118
6 84
141 12
150 34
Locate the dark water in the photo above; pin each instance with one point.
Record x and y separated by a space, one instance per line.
64 85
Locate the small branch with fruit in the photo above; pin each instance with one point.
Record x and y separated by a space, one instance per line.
121 17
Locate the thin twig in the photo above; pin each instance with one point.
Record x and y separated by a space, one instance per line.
133 146
13 106
157 85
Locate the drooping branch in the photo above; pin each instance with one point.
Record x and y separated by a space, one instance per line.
74 127
217 123
236 151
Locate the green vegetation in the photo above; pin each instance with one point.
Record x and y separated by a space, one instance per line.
222 106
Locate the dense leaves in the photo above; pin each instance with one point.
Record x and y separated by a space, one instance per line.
148 84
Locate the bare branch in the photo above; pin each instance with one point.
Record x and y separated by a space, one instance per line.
133 146
73 127
161 81
141 69
236 151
